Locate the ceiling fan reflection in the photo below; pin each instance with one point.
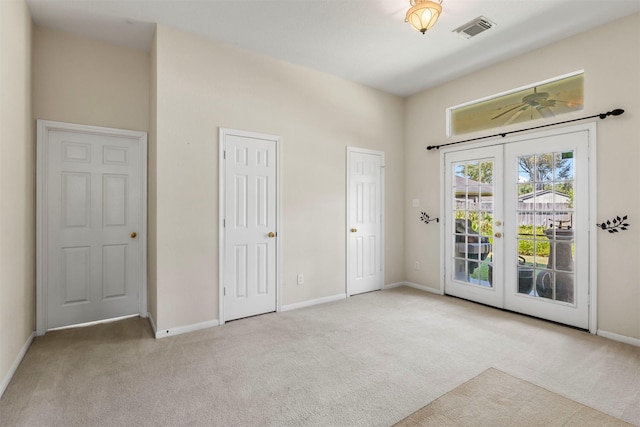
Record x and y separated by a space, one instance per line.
535 102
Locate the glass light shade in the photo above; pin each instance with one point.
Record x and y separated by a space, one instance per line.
423 14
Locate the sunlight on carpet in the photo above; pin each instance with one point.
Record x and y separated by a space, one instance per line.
494 398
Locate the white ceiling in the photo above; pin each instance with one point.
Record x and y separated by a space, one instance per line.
365 41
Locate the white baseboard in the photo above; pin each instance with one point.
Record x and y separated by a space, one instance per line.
414 286
392 285
424 288
163 333
309 303
12 370
621 338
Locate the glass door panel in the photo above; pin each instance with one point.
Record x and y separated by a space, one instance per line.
545 225
473 204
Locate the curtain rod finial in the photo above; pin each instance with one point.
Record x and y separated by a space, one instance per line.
616 112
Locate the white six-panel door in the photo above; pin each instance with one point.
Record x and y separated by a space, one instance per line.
249 248
364 220
90 229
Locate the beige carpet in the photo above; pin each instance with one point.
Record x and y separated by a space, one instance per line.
495 399
368 361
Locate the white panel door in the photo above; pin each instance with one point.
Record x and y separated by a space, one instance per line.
364 221
92 223
250 234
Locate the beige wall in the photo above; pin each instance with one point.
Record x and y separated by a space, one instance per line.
17 184
610 56
203 85
79 80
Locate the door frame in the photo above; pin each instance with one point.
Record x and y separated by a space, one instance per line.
591 129
350 150
222 132
42 151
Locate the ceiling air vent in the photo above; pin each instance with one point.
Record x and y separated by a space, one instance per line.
474 27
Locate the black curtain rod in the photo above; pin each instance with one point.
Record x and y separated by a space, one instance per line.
603 116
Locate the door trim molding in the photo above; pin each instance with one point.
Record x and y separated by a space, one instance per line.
43 128
350 150
591 129
222 132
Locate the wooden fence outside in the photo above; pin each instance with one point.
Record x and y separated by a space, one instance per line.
538 214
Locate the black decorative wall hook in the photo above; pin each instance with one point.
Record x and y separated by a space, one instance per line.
615 225
425 218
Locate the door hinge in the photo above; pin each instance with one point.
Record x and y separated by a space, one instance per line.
224 223
224 292
224 154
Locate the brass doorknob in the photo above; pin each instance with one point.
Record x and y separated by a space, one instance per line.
353 230
272 234
498 234
133 234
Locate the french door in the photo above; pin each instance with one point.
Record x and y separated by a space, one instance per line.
517 232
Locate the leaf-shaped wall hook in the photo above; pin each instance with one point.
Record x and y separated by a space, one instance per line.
615 225
425 218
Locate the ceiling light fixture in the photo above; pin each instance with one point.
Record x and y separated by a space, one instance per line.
423 14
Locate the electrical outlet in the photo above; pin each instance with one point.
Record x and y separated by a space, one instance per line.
415 203
417 265
300 279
